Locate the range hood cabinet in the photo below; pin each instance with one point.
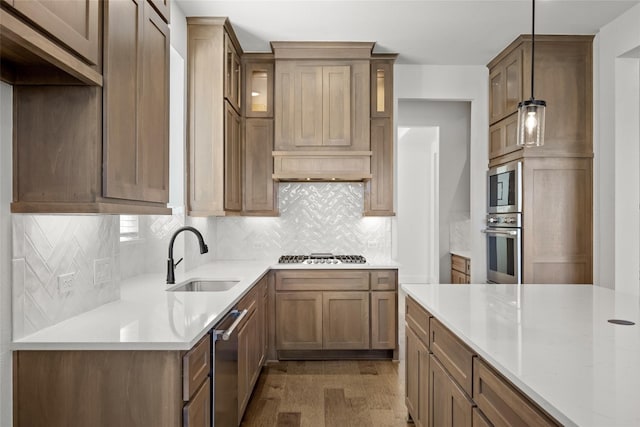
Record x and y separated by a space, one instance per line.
323 166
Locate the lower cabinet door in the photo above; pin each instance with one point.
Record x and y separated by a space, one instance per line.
449 406
417 379
197 413
299 321
345 320
245 338
383 320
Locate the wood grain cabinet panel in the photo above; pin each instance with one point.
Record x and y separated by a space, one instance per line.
417 379
299 320
260 190
233 76
98 388
308 106
345 320
232 160
558 245
76 24
449 406
136 151
322 280
214 126
197 413
196 366
106 149
417 319
460 269
163 8
384 320
336 112
378 194
384 280
479 420
454 355
501 403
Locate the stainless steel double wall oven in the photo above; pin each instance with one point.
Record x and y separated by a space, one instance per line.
504 223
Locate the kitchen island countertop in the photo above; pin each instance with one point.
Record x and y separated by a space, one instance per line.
147 317
554 342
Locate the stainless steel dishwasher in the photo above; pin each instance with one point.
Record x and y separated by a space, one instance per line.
225 370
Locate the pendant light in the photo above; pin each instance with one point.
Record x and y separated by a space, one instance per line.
531 111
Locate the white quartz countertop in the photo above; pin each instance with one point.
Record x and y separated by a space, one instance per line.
553 342
147 317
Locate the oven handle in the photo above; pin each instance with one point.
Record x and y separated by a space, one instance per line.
505 233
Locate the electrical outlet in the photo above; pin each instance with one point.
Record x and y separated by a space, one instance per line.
66 282
101 271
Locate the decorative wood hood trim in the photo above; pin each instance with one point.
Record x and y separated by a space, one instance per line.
322 50
322 165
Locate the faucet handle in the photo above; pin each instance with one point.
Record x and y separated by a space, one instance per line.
176 264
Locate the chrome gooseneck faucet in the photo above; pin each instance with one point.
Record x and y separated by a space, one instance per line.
171 275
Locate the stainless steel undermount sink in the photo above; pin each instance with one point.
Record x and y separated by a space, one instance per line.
202 285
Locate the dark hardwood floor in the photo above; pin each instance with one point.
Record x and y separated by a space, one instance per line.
329 394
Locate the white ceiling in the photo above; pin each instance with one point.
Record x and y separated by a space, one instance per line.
452 32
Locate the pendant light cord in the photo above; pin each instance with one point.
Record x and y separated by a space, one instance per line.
533 41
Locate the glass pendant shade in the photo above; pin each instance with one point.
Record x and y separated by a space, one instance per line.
531 123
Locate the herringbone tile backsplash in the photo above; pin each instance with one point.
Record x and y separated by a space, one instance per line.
47 246
314 217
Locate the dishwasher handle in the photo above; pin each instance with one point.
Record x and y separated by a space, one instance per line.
226 334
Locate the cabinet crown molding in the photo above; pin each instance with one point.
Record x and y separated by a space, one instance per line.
322 50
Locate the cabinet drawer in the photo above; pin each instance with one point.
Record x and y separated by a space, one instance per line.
317 280
478 419
502 403
384 280
197 413
248 302
452 353
196 365
458 263
417 319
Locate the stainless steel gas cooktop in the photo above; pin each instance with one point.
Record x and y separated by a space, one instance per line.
322 258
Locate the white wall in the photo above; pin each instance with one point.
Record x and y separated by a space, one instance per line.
453 120
616 150
457 83
417 214
6 117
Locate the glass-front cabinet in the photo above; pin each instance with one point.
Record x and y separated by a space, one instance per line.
258 89
381 88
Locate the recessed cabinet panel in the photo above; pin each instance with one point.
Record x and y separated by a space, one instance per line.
345 320
308 106
123 26
232 161
299 320
154 101
379 190
260 190
136 145
336 95
74 23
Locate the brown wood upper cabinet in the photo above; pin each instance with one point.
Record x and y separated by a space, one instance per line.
378 192
214 131
100 150
232 73
563 78
258 74
260 190
136 110
320 108
162 7
74 24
